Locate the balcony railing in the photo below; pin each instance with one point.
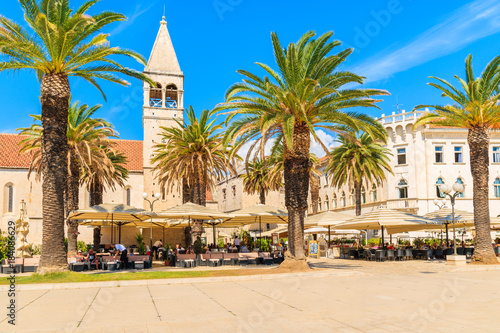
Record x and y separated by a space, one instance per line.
400 117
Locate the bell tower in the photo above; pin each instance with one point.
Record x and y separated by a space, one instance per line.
163 104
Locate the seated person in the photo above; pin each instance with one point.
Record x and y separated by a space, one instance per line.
79 256
92 259
244 249
390 247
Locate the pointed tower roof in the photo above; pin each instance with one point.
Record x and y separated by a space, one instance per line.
163 56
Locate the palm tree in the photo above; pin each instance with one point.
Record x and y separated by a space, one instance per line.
63 43
314 172
192 157
305 93
476 108
358 160
86 136
258 179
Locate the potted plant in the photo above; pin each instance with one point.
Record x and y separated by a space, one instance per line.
167 253
141 247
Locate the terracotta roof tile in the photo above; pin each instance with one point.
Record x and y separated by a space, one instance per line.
9 152
11 158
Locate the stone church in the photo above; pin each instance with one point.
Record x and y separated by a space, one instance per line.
162 105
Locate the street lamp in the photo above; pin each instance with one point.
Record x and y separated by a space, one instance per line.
446 189
157 197
441 204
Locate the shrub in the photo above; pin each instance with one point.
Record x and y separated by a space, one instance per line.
35 249
141 247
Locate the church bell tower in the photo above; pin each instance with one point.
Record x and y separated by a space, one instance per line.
163 104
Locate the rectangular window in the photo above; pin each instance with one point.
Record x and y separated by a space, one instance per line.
128 197
224 194
458 154
439 154
234 190
401 156
496 154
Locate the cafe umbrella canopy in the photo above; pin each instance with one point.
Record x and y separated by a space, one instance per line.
327 219
389 220
111 215
257 214
191 211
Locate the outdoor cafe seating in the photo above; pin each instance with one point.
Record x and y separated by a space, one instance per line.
403 254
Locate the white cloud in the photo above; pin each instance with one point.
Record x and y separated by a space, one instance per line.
474 21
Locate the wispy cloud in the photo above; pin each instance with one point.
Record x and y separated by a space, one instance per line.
474 21
139 10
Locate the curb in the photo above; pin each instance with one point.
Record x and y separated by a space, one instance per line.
172 281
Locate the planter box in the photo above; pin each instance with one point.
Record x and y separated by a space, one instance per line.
457 260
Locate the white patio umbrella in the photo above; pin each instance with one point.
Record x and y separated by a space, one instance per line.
191 211
392 221
327 219
257 214
110 215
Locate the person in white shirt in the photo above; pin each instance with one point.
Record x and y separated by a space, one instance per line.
156 246
237 242
123 256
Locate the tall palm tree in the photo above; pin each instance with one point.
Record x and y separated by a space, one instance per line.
314 172
191 157
86 136
100 177
476 108
306 92
258 179
358 160
63 43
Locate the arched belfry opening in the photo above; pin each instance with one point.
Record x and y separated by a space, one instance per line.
171 97
155 96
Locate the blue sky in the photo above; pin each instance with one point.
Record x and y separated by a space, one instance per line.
398 44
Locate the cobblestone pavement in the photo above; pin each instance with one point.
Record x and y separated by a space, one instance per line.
410 296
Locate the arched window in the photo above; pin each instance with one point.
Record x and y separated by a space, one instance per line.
374 193
128 196
327 203
171 97
343 199
9 197
363 195
334 202
353 198
460 181
439 182
496 187
403 189
319 204
155 96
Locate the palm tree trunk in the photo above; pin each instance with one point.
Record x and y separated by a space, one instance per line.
186 191
262 196
96 194
314 193
296 173
199 197
72 204
479 143
357 196
55 92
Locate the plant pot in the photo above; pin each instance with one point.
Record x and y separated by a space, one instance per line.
167 262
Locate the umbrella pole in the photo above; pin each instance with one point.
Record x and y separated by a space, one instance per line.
382 237
260 229
119 233
447 240
112 231
329 237
213 225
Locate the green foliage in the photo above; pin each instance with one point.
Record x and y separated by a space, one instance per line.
263 244
417 242
403 242
141 247
220 242
4 246
35 249
81 246
66 244
246 239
